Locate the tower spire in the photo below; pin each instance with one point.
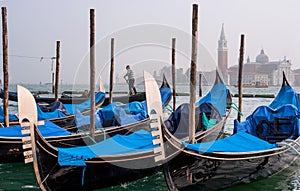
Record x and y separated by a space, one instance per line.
222 36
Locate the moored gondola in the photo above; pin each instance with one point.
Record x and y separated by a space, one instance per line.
114 161
70 135
266 143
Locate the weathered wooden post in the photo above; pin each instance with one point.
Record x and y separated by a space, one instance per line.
57 69
5 65
200 85
111 81
92 72
174 72
240 77
193 74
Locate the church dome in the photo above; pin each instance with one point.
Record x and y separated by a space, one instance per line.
262 57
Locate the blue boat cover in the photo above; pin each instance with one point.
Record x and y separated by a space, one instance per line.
216 96
178 121
270 124
118 114
70 108
239 142
286 95
136 142
165 93
49 129
12 117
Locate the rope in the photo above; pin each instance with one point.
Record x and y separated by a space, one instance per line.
235 107
289 145
104 132
84 132
169 108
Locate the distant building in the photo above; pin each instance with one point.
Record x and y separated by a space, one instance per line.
262 71
223 55
296 77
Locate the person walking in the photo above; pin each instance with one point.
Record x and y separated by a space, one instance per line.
129 77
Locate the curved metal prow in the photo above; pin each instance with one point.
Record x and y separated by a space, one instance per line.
155 112
284 80
27 112
101 86
218 78
153 98
26 106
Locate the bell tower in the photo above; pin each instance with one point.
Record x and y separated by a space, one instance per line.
223 55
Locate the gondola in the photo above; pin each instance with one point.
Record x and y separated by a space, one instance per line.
264 144
69 136
13 96
114 161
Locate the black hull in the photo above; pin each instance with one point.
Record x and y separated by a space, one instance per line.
98 173
11 148
215 172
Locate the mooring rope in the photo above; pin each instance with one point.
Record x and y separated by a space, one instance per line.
290 145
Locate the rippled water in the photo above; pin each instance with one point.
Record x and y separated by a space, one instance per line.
19 176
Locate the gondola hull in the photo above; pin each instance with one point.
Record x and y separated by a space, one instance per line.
217 171
12 147
98 173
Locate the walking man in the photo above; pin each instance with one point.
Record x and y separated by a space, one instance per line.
130 80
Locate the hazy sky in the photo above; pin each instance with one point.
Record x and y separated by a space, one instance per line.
34 26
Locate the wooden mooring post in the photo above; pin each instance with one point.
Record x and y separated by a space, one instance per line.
240 77
112 68
5 65
193 74
57 69
174 72
92 72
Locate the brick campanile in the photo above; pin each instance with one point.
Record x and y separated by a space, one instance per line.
223 56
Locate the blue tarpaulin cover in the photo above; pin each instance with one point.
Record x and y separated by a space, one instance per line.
12 117
240 142
165 93
216 96
70 108
48 129
118 113
136 142
286 118
286 95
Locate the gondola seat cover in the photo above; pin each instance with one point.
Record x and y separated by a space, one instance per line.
68 109
165 93
71 108
239 142
217 96
47 130
177 123
118 114
12 117
268 123
286 95
136 142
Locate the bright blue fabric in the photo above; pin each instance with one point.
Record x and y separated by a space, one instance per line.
286 95
216 96
288 111
165 93
69 107
118 113
47 130
12 117
240 142
136 142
